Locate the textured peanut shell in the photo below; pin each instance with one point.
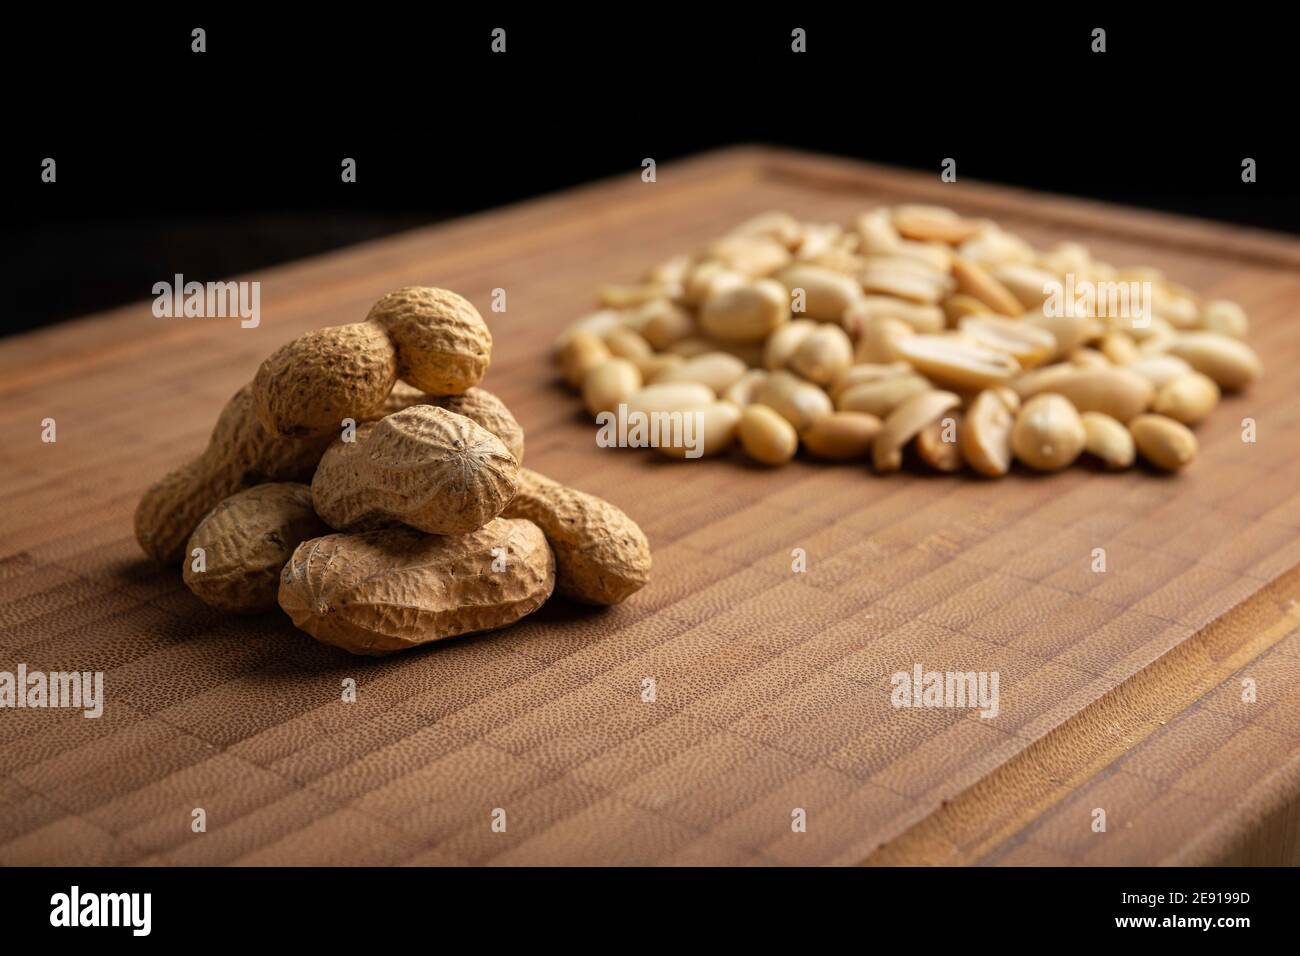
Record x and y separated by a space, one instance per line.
424 466
394 589
308 386
601 555
486 410
240 454
477 404
246 540
402 396
443 344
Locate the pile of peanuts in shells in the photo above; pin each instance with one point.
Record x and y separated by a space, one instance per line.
918 332
365 485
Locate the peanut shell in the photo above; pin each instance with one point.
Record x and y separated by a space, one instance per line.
246 540
394 589
443 344
308 386
601 555
241 453
488 411
425 467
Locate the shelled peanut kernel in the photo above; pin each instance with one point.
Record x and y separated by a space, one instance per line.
877 338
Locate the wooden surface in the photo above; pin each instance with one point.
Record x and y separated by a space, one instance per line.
1119 690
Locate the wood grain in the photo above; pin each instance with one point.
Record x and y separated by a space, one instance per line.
1119 690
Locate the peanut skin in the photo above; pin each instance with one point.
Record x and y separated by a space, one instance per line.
601 555
240 454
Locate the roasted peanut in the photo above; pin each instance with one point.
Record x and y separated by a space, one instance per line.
581 352
1069 331
985 435
714 431
670 397
823 325
1117 392
1027 344
624 342
1188 399
903 424
975 281
933 224
754 256
741 392
1119 348
708 279
746 313
1162 441
955 362
692 346
882 396
1048 434
920 318
1159 370
961 306
661 323
879 339
823 355
1230 362
1108 440
652 366
819 294
610 384
841 436
1085 358
938 446
596 324
766 436
797 401
864 372
1224 317
1028 284
784 342
897 279
718 370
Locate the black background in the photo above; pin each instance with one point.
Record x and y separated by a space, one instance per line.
908 910
218 163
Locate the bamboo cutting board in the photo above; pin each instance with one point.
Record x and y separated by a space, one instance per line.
1119 691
